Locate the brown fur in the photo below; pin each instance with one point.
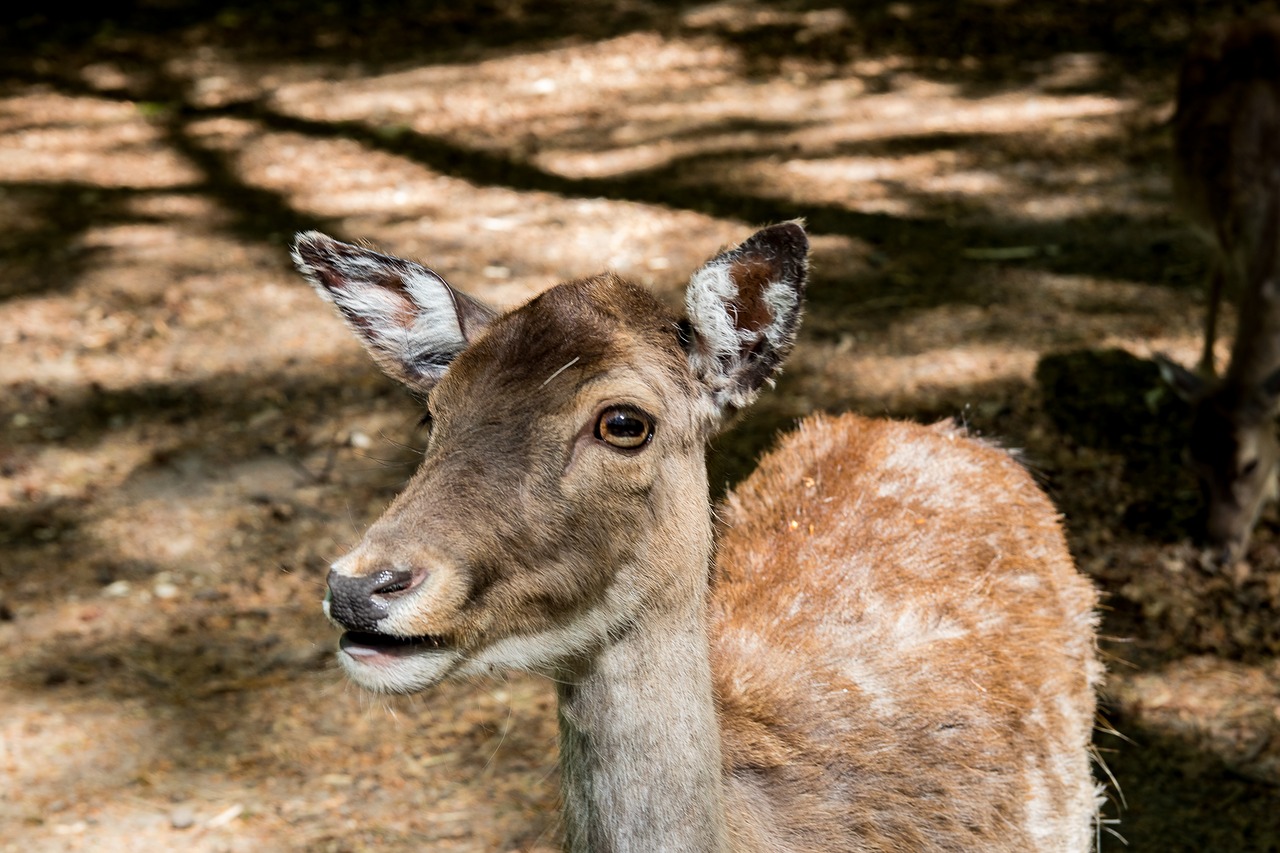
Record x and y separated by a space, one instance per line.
830 530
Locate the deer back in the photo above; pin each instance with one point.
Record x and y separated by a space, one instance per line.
897 603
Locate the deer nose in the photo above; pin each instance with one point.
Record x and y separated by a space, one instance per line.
352 601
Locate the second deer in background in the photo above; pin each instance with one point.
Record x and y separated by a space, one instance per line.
1227 178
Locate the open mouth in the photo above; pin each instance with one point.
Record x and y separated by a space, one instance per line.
387 664
367 643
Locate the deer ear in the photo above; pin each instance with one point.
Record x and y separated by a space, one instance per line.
1270 390
744 312
408 318
1188 385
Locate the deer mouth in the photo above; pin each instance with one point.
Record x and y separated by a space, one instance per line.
366 643
385 663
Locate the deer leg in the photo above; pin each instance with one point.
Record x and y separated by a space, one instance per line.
1206 366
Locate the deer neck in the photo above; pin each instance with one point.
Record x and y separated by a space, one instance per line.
1256 351
640 742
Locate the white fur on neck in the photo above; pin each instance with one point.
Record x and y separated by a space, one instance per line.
640 744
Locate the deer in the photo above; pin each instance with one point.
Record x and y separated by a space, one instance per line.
882 644
1226 178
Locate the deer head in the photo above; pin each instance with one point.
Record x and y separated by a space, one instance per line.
1233 450
563 489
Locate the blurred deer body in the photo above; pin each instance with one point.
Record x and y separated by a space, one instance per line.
886 645
1227 177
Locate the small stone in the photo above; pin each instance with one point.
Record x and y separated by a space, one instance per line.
119 589
182 817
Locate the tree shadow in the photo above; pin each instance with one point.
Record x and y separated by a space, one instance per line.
31 536
927 249
978 44
41 248
1167 783
932 245
1098 400
82 417
1115 402
341 32
214 438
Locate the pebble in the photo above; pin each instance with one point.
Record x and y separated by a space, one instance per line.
182 817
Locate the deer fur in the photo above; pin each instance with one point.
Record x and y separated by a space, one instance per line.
1227 178
884 644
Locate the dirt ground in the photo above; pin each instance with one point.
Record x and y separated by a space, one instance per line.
188 435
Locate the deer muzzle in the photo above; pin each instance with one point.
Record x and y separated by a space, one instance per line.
358 603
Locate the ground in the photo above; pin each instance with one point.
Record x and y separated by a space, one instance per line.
189 435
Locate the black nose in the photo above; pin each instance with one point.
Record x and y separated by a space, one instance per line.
351 599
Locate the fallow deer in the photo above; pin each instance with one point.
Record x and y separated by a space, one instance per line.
1227 178
884 646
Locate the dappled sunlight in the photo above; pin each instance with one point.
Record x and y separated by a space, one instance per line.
1228 709
876 383
548 105
450 224
152 299
494 102
191 436
74 764
918 107
912 185
985 155
104 143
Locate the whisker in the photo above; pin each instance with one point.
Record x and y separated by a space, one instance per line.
571 363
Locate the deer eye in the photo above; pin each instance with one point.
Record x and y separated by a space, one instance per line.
624 427
1248 468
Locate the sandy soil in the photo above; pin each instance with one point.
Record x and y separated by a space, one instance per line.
188 436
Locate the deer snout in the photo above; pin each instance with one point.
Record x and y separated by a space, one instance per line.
359 602
1227 530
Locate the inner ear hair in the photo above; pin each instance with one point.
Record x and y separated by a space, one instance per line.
744 308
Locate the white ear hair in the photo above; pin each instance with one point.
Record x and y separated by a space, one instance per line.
744 309
408 318
1188 385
